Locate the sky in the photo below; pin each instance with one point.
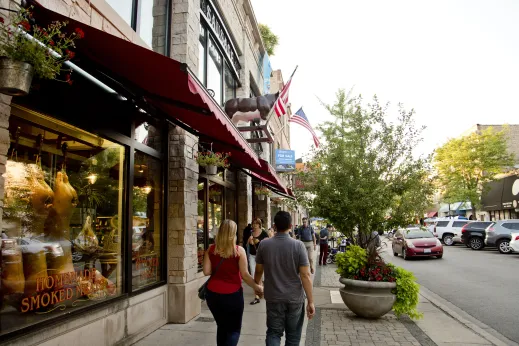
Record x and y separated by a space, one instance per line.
455 62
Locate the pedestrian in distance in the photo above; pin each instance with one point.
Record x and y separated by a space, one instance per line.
306 234
224 297
256 237
287 278
323 244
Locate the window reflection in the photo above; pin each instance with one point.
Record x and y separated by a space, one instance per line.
149 135
200 229
230 86
123 8
215 210
214 71
146 228
145 21
202 54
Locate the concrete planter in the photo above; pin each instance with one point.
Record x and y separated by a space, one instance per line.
368 299
15 77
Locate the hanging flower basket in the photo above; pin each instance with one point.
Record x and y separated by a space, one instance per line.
211 161
23 56
262 192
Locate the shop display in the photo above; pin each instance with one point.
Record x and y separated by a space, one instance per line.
87 241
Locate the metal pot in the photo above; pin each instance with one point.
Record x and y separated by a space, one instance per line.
15 77
261 197
211 170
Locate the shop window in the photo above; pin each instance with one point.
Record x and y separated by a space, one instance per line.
215 212
147 221
61 222
230 204
149 135
214 71
200 224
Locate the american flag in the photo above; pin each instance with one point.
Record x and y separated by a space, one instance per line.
280 107
300 118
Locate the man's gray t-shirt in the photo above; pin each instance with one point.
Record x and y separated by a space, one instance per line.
281 257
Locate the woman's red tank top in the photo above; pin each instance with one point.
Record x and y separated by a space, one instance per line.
227 279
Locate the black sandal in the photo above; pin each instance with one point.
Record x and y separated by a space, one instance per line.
255 301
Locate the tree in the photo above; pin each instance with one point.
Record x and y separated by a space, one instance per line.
270 40
364 176
466 164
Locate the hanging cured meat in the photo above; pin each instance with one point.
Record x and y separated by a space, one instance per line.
86 240
34 266
65 200
13 281
41 198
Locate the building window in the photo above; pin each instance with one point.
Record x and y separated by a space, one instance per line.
147 221
214 71
229 85
139 14
62 221
202 45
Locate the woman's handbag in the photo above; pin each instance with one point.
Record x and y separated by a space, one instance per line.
202 291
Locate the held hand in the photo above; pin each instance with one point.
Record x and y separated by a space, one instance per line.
258 290
315 247
310 310
251 240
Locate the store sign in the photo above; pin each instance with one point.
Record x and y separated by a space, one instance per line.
285 160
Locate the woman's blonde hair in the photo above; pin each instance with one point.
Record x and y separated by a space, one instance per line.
225 242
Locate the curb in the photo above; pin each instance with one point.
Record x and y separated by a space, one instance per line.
478 327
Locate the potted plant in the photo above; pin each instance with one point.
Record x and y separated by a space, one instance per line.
215 195
262 192
27 50
372 287
211 161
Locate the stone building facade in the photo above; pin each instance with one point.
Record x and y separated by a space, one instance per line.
197 33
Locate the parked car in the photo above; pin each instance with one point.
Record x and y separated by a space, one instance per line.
499 234
514 243
449 231
416 242
473 234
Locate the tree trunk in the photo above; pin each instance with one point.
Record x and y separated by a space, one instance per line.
474 213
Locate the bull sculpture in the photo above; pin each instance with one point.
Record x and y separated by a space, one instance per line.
249 109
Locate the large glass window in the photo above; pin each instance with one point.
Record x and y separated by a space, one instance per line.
214 71
229 85
147 221
215 210
123 8
202 53
145 21
61 222
200 224
148 134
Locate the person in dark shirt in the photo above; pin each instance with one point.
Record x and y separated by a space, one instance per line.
323 243
257 235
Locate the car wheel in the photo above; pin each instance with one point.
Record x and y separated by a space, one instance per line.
448 240
504 246
404 255
395 253
440 256
476 243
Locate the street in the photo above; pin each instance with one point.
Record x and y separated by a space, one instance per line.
482 283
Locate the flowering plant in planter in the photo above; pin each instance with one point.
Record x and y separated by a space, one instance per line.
15 44
357 264
262 191
208 158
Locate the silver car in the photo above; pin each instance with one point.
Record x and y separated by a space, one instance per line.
498 234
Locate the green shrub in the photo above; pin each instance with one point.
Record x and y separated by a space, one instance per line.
351 261
407 294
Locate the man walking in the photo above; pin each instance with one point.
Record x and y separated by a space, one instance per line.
287 278
306 234
323 243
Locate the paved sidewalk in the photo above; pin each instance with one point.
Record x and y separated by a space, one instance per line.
333 324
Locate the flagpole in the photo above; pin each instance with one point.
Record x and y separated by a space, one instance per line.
272 109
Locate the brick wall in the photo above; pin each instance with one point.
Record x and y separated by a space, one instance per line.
185 29
512 137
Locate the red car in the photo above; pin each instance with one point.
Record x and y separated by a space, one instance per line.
416 242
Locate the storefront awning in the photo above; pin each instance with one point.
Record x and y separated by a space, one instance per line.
432 214
269 177
491 199
158 82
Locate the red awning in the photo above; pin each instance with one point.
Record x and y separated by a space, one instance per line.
163 82
432 214
269 176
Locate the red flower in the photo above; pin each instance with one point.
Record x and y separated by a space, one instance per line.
70 82
1 20
70 54
25 24
80 33
52 43
67 77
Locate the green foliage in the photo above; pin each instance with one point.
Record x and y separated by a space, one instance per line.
262 190
407 294
364 176
208 158
466 164
16 45
270 40
350 262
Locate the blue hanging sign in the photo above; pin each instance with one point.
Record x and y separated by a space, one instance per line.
285 160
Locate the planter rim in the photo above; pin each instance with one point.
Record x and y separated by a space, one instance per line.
367 284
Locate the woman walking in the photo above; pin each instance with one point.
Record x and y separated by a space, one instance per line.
224 296
258 234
